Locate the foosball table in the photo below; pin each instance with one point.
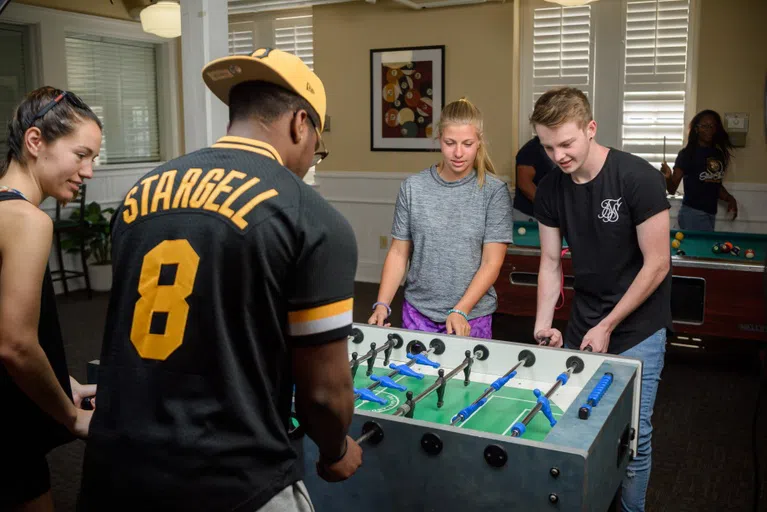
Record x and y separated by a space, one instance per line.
456 423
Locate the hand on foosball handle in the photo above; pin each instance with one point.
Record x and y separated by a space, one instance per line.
554 337
457 324
598 338
379 317
343 468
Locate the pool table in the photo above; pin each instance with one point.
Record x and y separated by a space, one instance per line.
714 295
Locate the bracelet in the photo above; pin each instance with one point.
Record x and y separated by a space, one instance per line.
327 462
388 309
459 312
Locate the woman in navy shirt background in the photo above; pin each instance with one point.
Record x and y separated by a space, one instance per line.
702 164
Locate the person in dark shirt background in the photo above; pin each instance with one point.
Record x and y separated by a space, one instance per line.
532 165
702 164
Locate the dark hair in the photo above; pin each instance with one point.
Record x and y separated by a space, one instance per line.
58 121
721 139
266 102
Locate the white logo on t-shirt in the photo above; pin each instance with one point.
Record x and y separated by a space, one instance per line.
610 209
714 171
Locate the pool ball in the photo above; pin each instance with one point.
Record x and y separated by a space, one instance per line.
725 248
679 235
728 245
675 244
735 251
680 252
715 249
749 253
521 231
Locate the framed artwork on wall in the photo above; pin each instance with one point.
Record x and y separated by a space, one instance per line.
407 91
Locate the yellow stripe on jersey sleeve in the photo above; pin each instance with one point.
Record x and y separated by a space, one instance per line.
321 319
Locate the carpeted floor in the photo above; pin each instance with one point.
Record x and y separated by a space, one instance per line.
702 442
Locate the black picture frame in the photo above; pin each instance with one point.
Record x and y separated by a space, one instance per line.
412 85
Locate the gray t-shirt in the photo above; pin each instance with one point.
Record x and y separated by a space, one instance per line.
448 223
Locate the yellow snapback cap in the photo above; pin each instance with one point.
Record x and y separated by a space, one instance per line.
267 65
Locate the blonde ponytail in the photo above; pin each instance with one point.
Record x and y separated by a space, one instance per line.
463 111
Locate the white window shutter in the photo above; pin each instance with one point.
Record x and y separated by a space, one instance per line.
655 78
118 80
295 34
562 49
241 38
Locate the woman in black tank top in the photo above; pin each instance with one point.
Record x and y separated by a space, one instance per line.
53 139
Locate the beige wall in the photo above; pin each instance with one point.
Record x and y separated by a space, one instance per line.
94 7
732 62
478 65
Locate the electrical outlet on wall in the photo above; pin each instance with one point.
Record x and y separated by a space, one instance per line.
383 242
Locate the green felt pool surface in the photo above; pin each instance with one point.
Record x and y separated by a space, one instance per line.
504 407
694 244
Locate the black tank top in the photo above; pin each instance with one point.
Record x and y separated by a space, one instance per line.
28 429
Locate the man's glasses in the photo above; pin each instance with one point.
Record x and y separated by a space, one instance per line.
69 96
320 151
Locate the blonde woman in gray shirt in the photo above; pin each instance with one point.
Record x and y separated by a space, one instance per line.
452 223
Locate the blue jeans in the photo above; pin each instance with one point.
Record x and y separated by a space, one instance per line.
695 220
652 352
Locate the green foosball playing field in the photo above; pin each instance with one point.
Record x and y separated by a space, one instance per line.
504 407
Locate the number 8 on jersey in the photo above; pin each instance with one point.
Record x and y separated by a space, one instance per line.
170 299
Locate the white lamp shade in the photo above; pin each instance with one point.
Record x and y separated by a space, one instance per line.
571 3
162 19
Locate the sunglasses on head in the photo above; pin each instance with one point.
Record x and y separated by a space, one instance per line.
69 96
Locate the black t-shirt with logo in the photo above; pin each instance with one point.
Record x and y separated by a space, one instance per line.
598 220
532 154
224 261
703 173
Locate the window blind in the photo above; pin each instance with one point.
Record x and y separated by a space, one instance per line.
241 38
655 78
562 49
295 34
118 80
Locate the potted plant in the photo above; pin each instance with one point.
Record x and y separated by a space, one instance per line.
97 237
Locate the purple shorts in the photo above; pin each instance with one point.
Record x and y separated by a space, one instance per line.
413 320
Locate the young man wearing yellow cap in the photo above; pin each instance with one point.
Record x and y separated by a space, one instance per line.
233 282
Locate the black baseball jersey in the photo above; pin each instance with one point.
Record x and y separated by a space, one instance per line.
223 261
598 219
31 430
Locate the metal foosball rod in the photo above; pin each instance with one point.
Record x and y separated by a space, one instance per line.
392 342
404 369
543 401
464 414
408 408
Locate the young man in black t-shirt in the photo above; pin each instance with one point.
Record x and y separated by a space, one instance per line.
612 210
233 282
532 165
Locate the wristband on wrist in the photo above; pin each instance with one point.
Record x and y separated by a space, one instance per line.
330 462
459 312
388 309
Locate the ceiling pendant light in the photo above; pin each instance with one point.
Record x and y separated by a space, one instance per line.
162 19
